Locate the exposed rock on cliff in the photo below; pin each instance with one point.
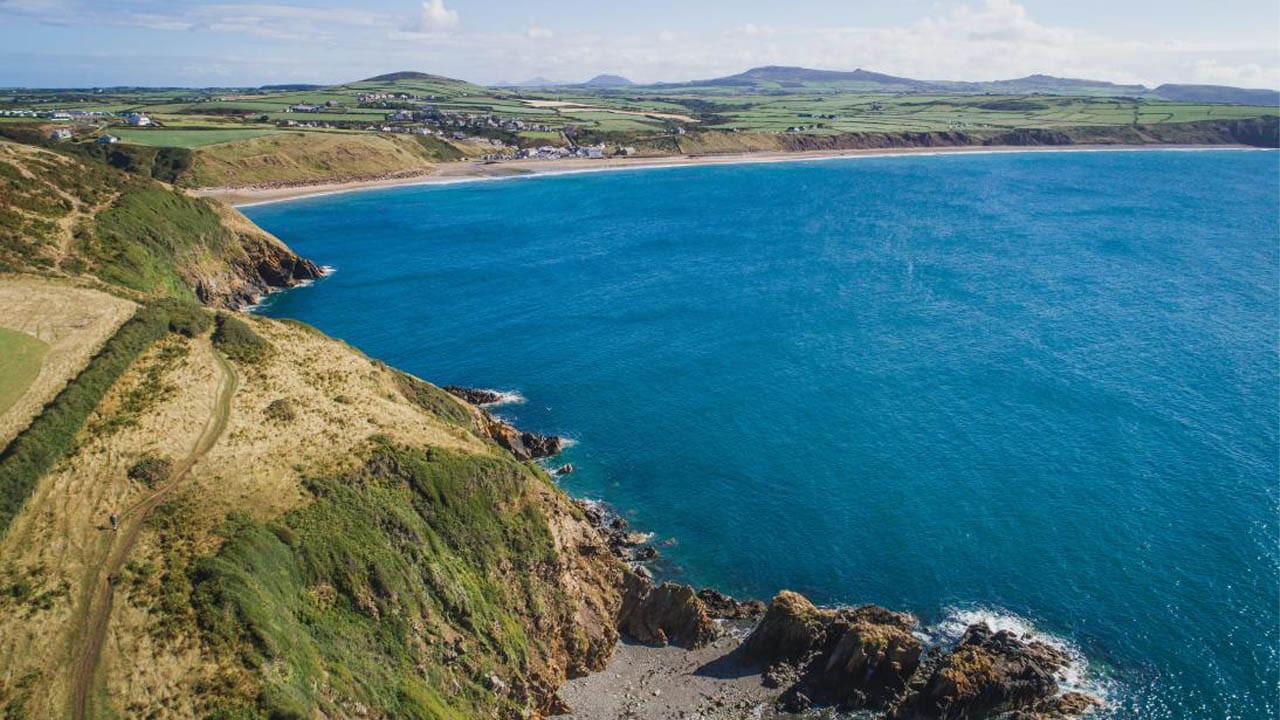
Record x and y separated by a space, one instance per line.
255 263
524 445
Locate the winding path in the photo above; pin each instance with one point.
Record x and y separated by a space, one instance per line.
132 521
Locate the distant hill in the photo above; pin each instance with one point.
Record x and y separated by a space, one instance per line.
418 83
777 77
608 81
798 76
1218 94
1050 85
408 75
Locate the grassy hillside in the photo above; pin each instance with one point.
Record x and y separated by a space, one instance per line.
65 214
310 157
345 544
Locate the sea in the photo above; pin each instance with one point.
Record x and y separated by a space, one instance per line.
1036 389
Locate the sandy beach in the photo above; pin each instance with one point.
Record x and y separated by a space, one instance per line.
471 171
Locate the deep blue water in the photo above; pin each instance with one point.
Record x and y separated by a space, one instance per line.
1040 387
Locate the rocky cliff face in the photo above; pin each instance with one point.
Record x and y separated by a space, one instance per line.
254 263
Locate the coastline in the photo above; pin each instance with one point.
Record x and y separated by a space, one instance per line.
470 172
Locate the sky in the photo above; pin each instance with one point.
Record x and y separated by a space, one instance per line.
87 43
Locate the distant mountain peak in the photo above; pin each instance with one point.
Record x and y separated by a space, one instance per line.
608 81
407 75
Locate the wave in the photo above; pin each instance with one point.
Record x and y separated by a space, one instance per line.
505 397
1075 677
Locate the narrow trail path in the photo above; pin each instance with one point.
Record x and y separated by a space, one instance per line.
132 520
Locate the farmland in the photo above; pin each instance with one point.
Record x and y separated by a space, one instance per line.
408 123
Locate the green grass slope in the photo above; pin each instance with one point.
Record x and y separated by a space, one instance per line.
404 586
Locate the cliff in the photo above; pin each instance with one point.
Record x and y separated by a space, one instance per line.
1256 132
65 216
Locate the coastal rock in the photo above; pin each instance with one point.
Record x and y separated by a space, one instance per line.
524 445
664 614
849 658
566 469
988 674
723 607
792 628
475 396
871 662
541 446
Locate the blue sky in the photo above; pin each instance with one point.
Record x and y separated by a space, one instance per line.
251 42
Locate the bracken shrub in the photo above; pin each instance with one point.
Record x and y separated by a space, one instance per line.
238 341
151 471
281 411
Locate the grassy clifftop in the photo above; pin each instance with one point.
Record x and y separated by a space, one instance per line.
304 532
233 517
65 215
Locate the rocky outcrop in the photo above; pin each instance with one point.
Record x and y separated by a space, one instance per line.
541 446
723 607
791 630
988 674
664 614
524 445
858 658
869 658
254 263
475 396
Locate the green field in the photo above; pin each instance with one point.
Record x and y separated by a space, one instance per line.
20 358
187 137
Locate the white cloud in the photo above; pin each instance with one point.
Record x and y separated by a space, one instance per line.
435 18
960 40
1252 75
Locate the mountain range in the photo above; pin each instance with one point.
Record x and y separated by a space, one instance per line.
774 78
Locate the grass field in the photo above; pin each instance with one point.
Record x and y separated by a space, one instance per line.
20 359
51 330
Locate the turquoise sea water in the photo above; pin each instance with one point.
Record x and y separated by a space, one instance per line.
1040 388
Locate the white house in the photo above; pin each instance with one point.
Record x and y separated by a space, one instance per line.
60 134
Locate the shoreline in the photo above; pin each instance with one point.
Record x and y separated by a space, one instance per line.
473 172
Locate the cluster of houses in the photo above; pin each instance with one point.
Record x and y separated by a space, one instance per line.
64 133
309 108
58 115
551 152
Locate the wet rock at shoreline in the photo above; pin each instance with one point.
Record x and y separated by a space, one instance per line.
869 658
566 469
723 607
475 396
989 674
541 446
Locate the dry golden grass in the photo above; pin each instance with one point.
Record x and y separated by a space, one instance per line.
59 544
74 321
